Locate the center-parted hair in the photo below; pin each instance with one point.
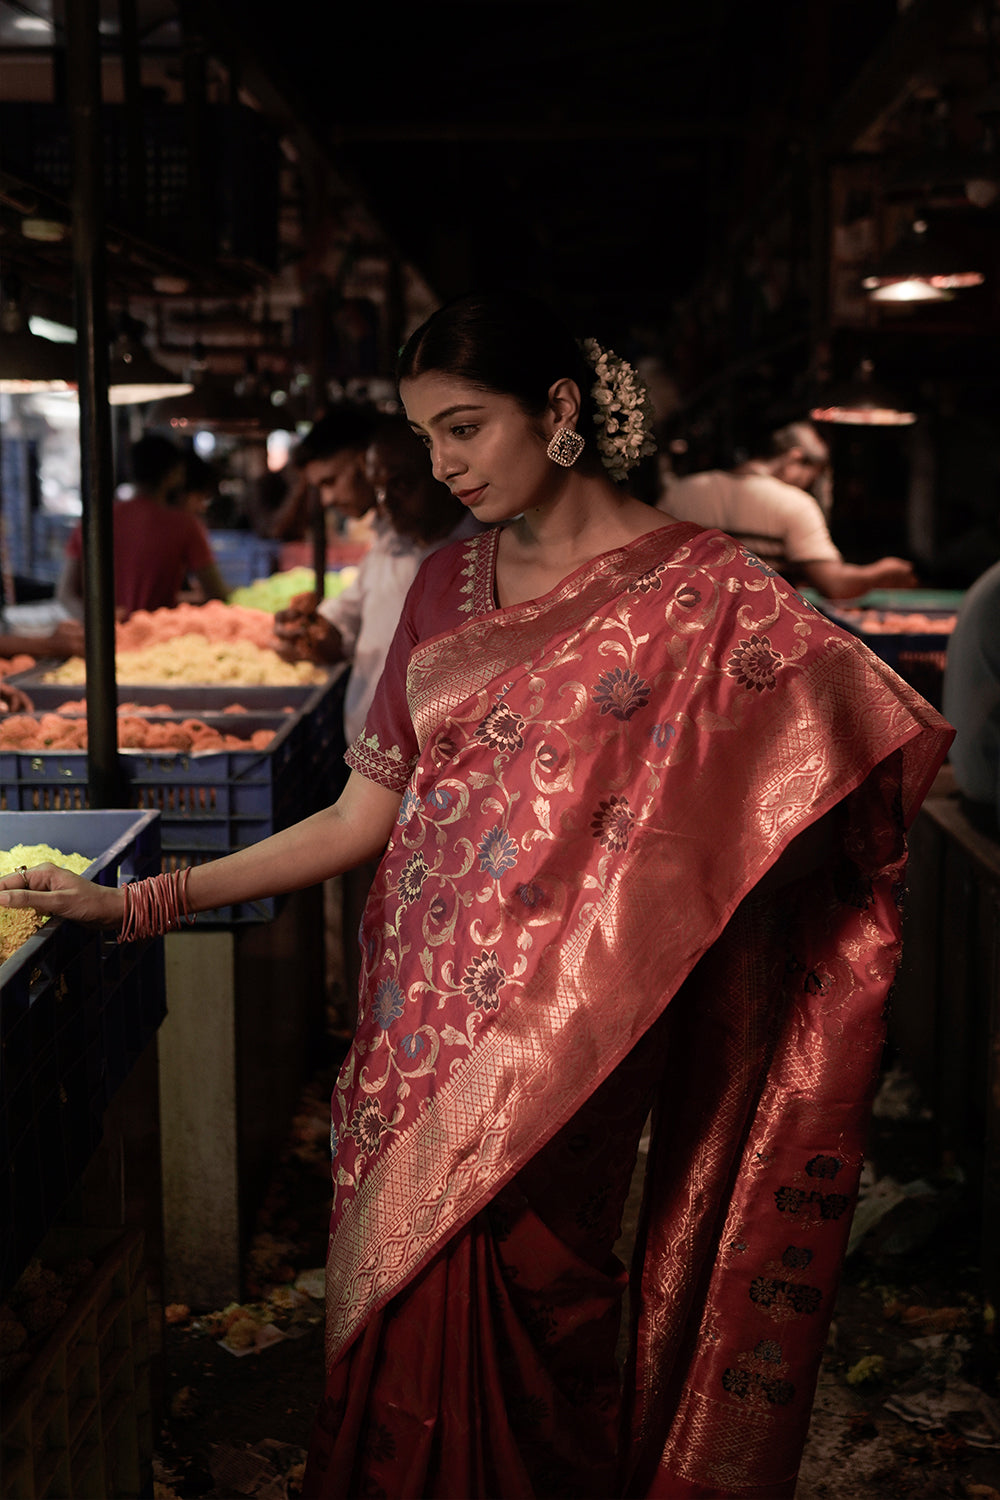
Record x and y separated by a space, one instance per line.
502 342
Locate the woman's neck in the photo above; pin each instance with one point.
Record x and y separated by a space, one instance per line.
590 516
541 547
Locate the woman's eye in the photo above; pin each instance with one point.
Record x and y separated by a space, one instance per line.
464 429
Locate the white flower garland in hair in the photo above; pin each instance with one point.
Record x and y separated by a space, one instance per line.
624 414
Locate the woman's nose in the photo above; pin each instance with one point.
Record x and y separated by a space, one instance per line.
444 464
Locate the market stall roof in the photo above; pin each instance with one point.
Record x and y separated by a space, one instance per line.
597 155
609 159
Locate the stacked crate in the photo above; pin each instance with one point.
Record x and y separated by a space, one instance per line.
76 1011
77 1421
213 802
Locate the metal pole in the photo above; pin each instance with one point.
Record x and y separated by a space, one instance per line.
317 535
135 155
107 788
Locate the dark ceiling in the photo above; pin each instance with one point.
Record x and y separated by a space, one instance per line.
614 161
598 155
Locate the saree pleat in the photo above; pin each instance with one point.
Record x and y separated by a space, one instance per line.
496 1373
582 916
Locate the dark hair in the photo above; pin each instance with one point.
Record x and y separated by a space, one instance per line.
198 475
799 435
503 342
349 424
152 459
392 427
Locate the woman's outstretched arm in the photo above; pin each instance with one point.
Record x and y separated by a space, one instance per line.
354 829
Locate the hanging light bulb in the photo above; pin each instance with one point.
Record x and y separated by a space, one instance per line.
28 362
861 402
135 377
224 406
919 269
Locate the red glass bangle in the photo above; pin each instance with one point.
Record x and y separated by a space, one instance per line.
155 906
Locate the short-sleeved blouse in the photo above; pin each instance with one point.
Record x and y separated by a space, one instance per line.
453 586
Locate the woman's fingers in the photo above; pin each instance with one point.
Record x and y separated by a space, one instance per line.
44 901
58 892
33 878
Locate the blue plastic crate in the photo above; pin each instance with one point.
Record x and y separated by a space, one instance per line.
49 534
76 1011
211 803
242 557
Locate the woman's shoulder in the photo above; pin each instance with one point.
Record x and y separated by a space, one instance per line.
454 583
739 578
461 558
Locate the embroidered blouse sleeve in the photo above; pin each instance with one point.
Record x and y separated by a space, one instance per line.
386 749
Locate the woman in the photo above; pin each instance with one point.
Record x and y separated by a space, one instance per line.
644 811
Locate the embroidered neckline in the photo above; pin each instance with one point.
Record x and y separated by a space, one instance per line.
480 569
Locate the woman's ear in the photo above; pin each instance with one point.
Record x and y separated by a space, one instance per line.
564 404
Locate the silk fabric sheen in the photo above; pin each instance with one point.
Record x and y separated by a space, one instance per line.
572 924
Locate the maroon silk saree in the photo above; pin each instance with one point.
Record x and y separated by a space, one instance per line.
584 916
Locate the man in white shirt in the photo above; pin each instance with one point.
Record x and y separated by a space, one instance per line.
331 460
764 504
415 516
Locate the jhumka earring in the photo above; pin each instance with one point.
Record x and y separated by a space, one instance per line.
565 447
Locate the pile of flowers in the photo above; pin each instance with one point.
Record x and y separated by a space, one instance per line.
277 591
11 664
212 642
58 732
215 621
195 658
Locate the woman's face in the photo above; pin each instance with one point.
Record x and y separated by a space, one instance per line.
483 446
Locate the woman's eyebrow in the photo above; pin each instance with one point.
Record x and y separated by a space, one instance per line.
451 411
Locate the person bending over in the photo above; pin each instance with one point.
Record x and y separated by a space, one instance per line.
766 505
416 516
330 459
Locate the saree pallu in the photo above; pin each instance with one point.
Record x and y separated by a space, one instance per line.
573 924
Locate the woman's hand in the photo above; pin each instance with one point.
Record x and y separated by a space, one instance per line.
56 892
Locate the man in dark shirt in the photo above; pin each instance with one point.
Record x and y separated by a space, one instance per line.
157 544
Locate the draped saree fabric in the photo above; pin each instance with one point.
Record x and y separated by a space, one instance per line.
597 904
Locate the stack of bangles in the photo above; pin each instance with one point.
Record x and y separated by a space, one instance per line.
155 906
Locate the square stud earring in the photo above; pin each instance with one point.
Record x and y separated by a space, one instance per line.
565 447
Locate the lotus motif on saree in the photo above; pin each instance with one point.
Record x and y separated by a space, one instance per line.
600 783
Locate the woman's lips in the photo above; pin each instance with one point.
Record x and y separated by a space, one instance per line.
469 497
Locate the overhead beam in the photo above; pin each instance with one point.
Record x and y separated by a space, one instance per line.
591 128
922 34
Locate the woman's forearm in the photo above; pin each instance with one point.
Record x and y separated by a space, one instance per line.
356 828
